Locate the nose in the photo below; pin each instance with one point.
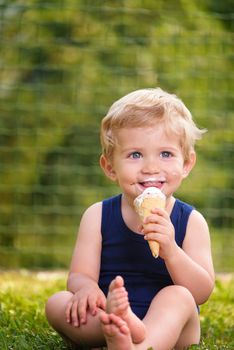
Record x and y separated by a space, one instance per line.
151 166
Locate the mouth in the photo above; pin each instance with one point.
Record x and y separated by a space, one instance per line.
152 183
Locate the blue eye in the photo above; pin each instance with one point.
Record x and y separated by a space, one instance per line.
135 155
166 154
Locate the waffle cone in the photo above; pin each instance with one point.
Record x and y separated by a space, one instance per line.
144 210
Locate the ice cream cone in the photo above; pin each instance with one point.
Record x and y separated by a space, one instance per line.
150 199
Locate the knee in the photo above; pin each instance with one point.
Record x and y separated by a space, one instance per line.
184 296
55 306
178 294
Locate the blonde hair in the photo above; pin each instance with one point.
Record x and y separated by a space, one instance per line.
146 107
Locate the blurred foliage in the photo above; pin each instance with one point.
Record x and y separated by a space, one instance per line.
63 63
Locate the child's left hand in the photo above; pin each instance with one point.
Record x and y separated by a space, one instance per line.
158 227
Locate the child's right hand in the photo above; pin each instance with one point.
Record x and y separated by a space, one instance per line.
89 297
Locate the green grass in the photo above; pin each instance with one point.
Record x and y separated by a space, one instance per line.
23 325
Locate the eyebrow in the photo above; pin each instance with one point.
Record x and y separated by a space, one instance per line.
131 148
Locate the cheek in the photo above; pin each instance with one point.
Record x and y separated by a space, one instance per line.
123 173
177 173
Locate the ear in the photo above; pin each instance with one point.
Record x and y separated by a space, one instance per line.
107 168
189 164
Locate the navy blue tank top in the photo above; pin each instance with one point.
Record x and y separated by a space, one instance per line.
127 253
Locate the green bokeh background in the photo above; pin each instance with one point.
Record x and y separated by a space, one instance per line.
62 64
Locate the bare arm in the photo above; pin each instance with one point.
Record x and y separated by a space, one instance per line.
192 266
87 251
84 270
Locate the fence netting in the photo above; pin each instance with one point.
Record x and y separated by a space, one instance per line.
62 64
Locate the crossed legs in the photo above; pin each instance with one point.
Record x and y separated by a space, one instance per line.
172 321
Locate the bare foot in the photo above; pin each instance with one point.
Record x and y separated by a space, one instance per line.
118 304
116 332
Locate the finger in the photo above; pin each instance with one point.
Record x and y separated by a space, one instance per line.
154 219
151 219
154 228
68 311
82 311
102 303
74 315
152 237
92 304
159 211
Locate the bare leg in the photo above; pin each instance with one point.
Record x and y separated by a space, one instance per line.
172 320
116 332
89 334
118 304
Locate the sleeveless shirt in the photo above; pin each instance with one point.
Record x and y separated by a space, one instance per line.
127 253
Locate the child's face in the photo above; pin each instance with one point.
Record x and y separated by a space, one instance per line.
146 157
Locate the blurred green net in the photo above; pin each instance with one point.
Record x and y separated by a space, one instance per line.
62 64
